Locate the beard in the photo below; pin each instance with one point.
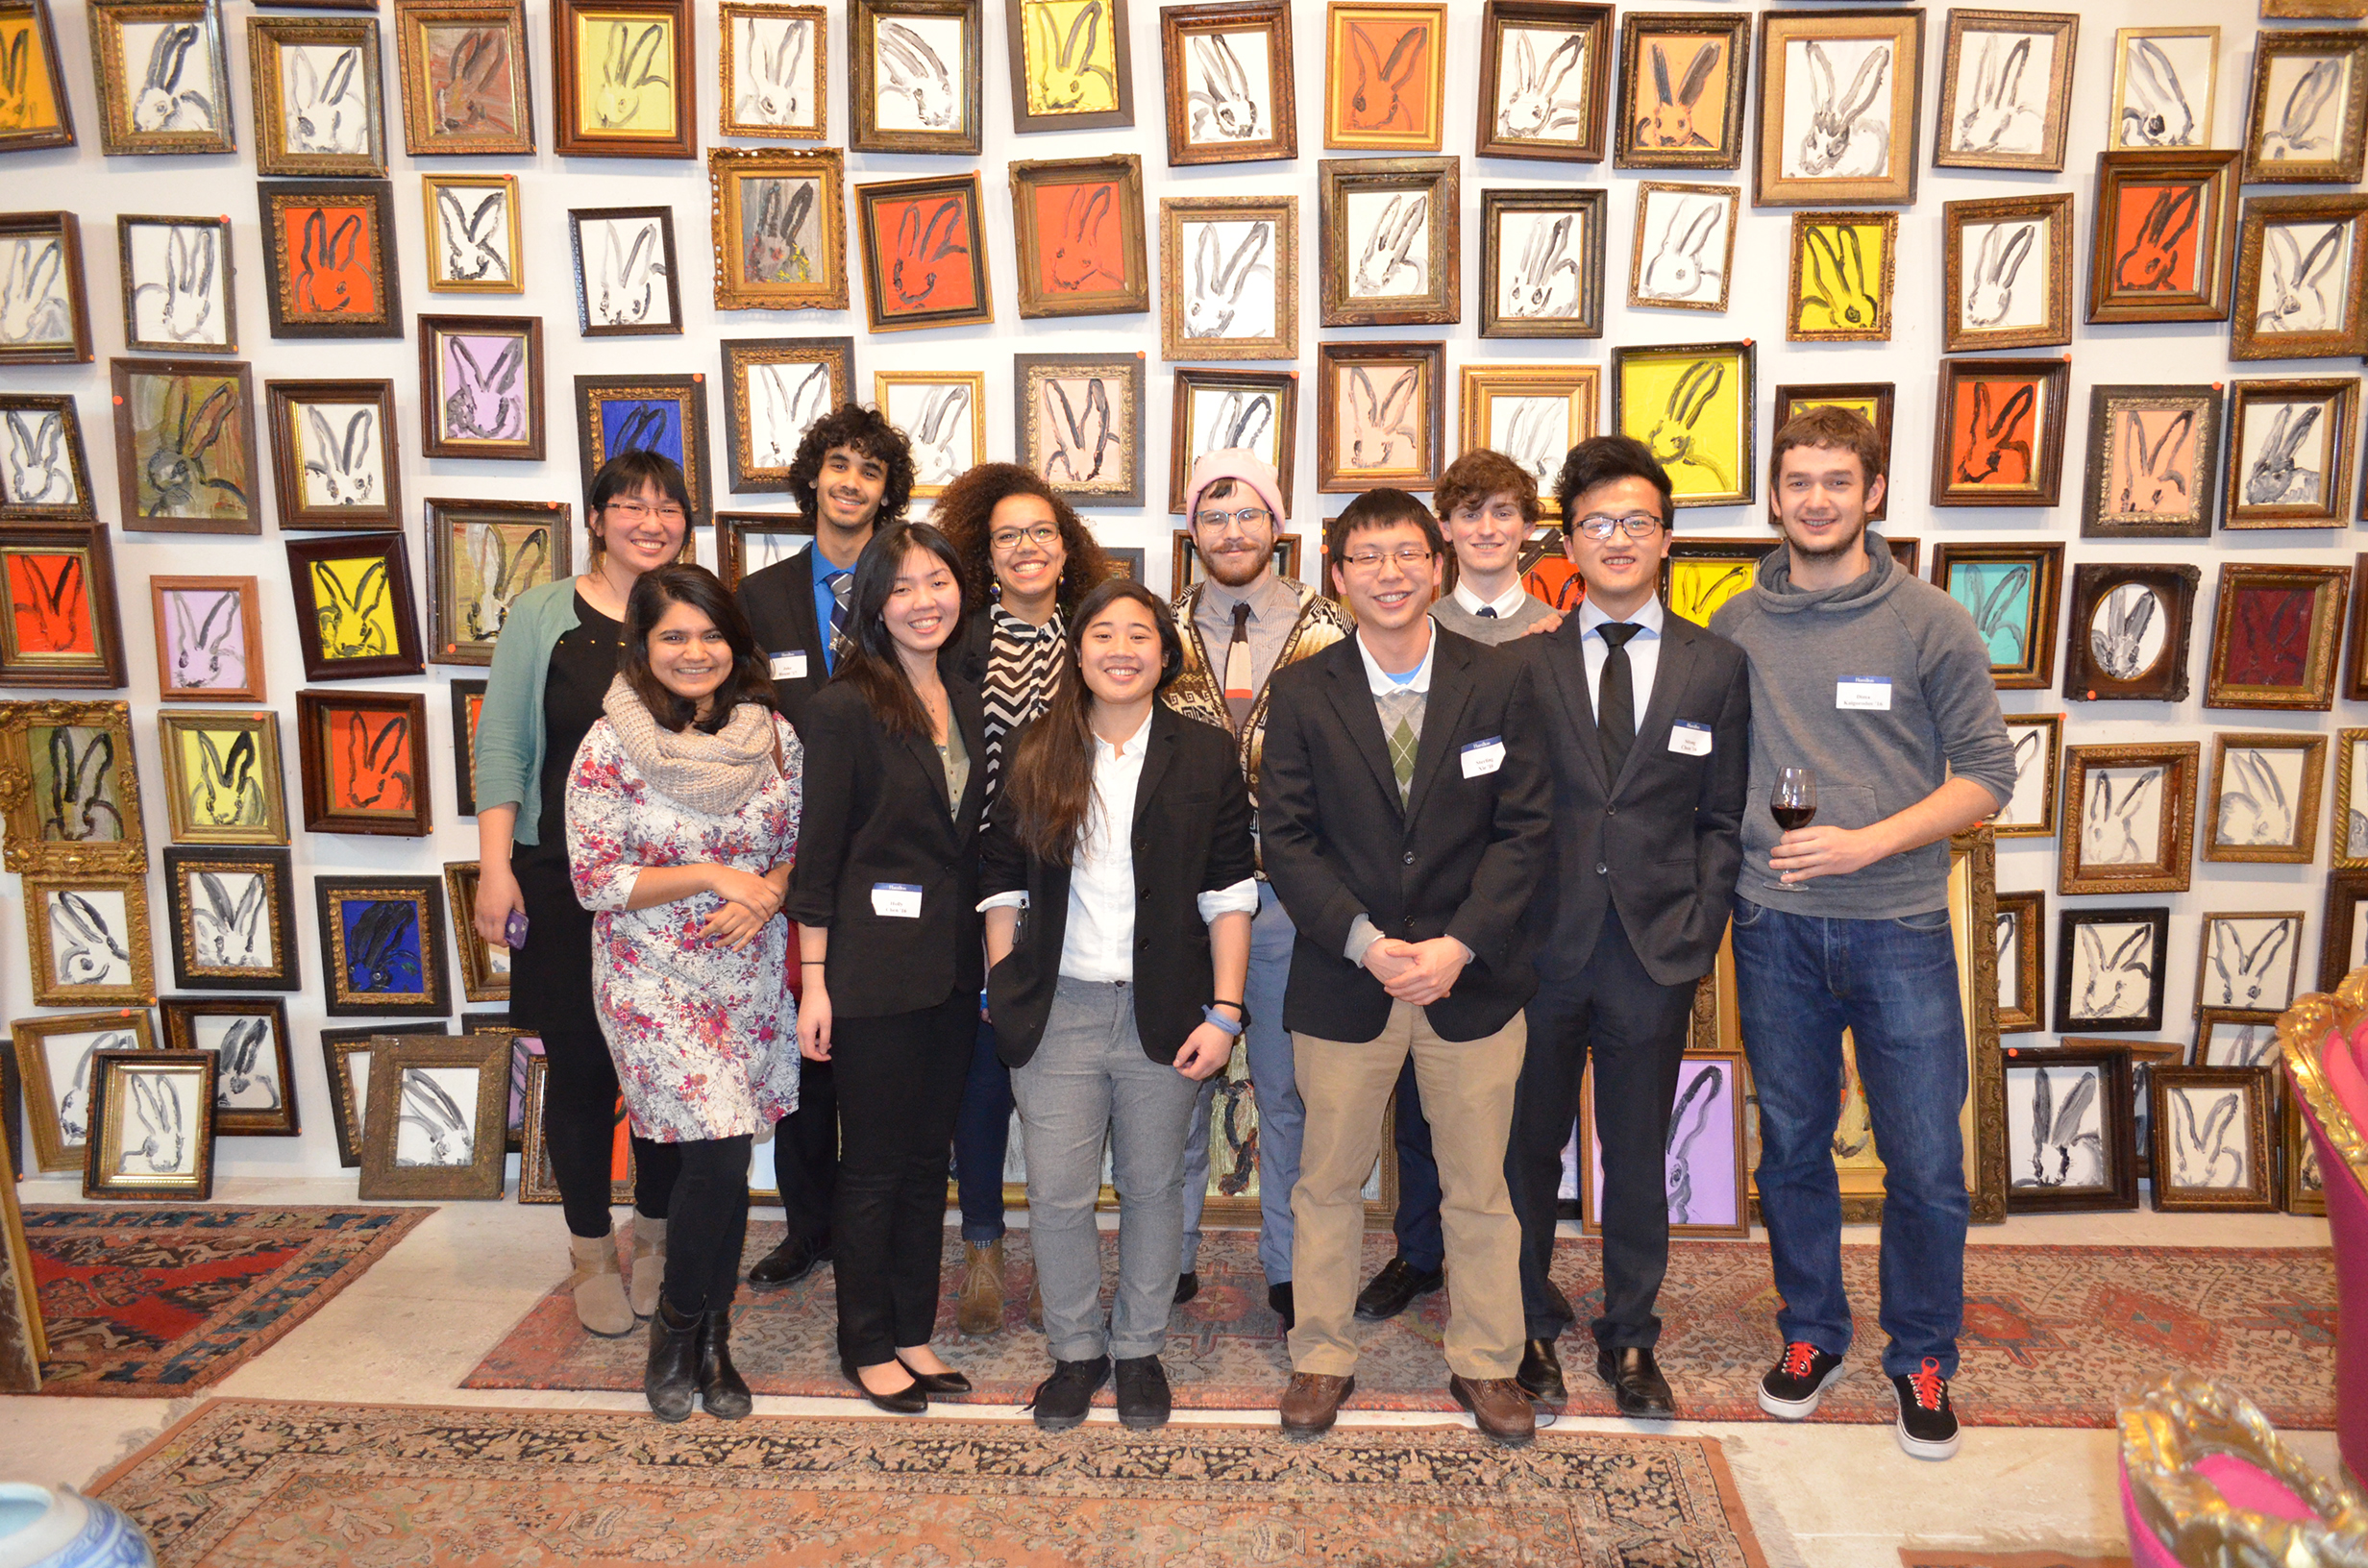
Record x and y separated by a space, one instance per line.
1842 545
1236 571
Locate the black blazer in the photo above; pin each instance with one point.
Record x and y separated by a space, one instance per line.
1460 859
779 605
1191 836
877 811
1663 841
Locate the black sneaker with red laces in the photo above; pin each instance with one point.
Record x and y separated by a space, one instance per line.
1797 1382
1927 1426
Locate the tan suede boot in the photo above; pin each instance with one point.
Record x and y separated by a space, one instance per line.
599 1285
981 1309
649 1263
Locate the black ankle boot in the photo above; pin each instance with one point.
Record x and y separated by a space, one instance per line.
721 1387
670 1380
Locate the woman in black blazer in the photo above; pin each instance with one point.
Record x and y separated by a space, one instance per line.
885 895
1123 830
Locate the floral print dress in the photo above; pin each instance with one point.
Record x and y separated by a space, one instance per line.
704 1038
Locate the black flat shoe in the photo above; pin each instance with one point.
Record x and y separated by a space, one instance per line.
791 1262
909 1401
1394 1289
1540 1375
1187 1286
936 1382
1638 1388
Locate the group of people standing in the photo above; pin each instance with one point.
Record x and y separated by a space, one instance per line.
1041 839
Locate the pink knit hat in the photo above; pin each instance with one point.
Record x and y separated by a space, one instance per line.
1234 463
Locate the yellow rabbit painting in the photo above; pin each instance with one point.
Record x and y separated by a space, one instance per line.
1071 57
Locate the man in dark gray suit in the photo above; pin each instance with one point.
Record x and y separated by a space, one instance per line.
1646 720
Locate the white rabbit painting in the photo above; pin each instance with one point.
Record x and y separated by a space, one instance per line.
37 468
343 463
178 276
2128 631
2009 935
622 271
2004 269
180 75
773 62
324 98
2306 272
2034 774
1227 417
2260 797
1533 432
1685 246
2302 106
2207 1136
1838 109
2121 816
1229 279
2115 973
942 421
915 65
1230 88
2281 450
2165 85
472 243
36 310
2054 1128
2002 87
1543 279
2232 1044
2249 961
2353 829
784 399
89 939
247 1073
1390 236
1543 77
435 1127
158 1116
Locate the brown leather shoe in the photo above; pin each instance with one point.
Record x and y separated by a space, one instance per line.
980 1308
1498 1405
1313 1400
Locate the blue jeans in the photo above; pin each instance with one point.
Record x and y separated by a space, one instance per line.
1800 980
1281 1118
981 1136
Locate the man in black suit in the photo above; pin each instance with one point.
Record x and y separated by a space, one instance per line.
1403 811
853 475
1645 718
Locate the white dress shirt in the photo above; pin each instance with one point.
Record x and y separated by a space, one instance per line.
1099 942
1644 653
1503 606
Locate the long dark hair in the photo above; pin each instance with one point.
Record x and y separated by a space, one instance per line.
1049 776
654 593
869 662
966 514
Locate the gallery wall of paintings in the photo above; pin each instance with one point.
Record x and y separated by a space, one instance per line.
315 318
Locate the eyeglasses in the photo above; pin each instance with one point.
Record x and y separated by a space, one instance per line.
1043 534
1636 524
1410 557
1247 517
633 512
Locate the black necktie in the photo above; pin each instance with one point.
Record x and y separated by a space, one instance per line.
1487 612
1616 701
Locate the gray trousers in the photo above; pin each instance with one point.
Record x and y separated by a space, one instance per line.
1274 1086
1089 1080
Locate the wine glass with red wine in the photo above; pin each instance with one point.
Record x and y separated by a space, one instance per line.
1793 801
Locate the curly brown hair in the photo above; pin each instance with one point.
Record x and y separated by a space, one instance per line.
1480 474
966 508
868 432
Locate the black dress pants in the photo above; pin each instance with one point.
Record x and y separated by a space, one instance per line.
1634 1030
806 1152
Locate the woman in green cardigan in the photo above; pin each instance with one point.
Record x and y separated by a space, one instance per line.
552 666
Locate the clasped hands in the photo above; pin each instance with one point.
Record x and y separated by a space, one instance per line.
1420 973
750 904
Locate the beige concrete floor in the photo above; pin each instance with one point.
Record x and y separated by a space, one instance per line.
1821 1496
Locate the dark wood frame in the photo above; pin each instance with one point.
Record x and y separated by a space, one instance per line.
477 981
2345 891
2291 918
287 320
2334 507
2330 587
2107 405
1589 207
1335 75
182 863
433 186
1178 25
114 77
23 1346
404 658
390 1056
106 1111
863 133
1735 1093
2304 849
1883 395
2351 155
2356 665
427 894
2297 1148
51 1152
434 442
688 393
264 725
1745 354
2036 670
2057 112
816 76
1029 180
25 850
1029 370
449 641
2117 1125
2165 680
2054 269
1284 384
464 749
1174 212
1877 331
282 400
1634 26
2028 1014
2157 917
878 276
2259 1195
2215 176
585 325
1332 359
826 167
2208 1018
220 228
138 990
422 137
2171 866
570 136
338 1047
228 1121
84 508
266 36
1769 187
1023 120
250 619
731 528
1437 180
2051 727
1595 22
2246 339
44 28
834 355
131 466
68 231
2046 485
536 1184
105 669
315 711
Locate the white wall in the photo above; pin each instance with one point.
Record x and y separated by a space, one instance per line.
97 188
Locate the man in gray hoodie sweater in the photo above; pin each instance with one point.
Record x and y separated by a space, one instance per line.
1879 686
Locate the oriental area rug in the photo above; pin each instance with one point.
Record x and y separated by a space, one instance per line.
2055 1336
156 1302
255 1481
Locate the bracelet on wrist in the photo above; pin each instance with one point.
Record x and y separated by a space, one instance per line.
1220 1022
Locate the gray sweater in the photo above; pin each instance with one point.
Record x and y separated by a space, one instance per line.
1823 664
1450 613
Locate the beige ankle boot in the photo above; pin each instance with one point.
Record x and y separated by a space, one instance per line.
981 1309
599 1285
649 1263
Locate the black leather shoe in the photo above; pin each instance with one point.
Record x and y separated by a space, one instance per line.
908 1400
670 1378
1187 1286
1638 1388
721 1387
936 1382
1278 1300
1394 1289
1062 1400
1540 1375
791 1262
1144 1401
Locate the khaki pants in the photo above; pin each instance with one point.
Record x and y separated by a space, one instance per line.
1466 1089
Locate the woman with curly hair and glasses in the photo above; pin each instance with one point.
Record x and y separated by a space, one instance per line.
1026 561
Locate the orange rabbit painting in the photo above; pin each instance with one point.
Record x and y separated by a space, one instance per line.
369 761
49 605
927 262
28 97
1080 237
1384 76
2154 238
1993 430
330 252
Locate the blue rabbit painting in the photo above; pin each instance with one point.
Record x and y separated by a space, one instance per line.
642 424
383 955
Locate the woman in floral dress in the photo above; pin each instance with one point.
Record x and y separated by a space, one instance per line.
681 825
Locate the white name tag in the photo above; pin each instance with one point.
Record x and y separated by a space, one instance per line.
1483 757
895 901
1864 692
789 666
1691 738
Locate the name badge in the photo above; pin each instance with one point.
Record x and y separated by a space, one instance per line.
1868 693
790 666
1691 738
1483 757
896 900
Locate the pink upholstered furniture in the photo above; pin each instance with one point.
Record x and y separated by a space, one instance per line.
2207 1484
2325 1044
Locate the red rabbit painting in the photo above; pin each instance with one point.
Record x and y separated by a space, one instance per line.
51 598
1383 94
371 757
1079 238
2269 637
330 256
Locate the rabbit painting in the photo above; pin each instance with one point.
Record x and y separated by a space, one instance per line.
2007 933
774 229
88 939
2240 1045
2160 257
2278 469
51 598
930 267
469 80
1544 285
633 262
2249 963
912 88
1677 438
331 277
1087 256
1690 1122
2121 820
2027 807
176 91
784 399
472 235
1998 597
353 619
1384 60
2258 793
28 97
40 469
2308 91
1542 85
375 773
209 647
1688 263
504 562
941 431
69 1066
227 921
1225 97
2154 477
176 283
325 109
1837 133
382 950
1379 422
429 1129
341 462
1391 235
1227 259
2155 108
1239 420
227 792
485 392
773 64
75 787
1993 436
187 435
1534 433
1992 114
155 1134
1669 123
2207 1139
633 91
2128 631
1994 294
2112 972
2304 270
34 308
1076 422
1839 289
2066 1147
1071 57
247 1066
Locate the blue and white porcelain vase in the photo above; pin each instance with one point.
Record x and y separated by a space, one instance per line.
44 1527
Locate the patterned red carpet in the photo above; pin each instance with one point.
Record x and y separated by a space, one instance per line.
2055 1336
154 1303
244 1482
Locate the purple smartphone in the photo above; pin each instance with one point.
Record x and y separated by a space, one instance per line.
514 930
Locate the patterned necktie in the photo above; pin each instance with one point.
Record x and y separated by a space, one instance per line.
1616 703
1239 694
1404 742
1487 612
842 586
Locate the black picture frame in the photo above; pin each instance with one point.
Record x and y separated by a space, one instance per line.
195 908
2032 1154
234 1076
2119 942
376 950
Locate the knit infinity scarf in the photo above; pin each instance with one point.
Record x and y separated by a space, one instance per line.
710 774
